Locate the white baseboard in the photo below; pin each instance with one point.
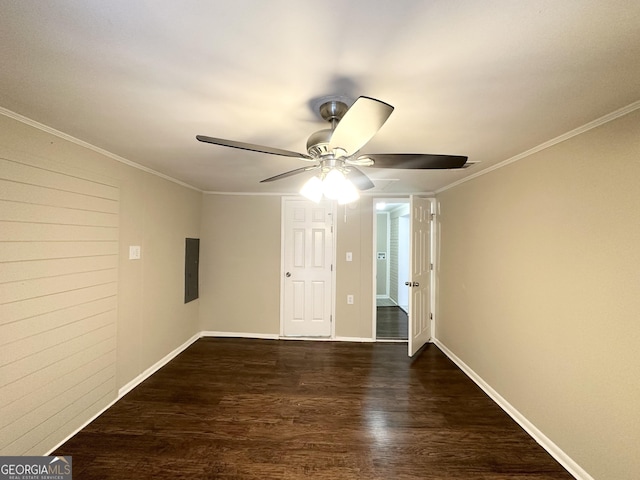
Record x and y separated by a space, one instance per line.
556 452
273 336
263 336
354 339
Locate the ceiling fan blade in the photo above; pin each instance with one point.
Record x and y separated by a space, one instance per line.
359 179
423 161
361 122
290 173
252 147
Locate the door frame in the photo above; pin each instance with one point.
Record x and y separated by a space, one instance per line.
374 233
333 210
434 249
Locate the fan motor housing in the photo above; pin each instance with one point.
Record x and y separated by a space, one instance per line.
318 142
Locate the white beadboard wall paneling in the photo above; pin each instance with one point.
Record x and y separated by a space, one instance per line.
58 300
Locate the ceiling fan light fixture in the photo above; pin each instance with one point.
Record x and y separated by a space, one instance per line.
312 189
333 184
333 150
348 194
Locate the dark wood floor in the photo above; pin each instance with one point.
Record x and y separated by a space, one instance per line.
266 409
391 323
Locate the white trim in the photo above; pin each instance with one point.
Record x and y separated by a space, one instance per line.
334 264
556 452
355 339
82 143
554 141
251 194
388 255
258 336
283 201
392 198
434 278
309 339
289 194
156 366
274 336
374 271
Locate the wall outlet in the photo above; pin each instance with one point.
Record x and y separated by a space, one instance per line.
134 252
349 256
349 299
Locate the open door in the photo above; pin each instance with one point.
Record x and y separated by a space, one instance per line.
419 283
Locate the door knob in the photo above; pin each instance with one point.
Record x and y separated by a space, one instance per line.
416 284
408 284
288 274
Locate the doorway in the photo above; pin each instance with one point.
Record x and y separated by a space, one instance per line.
392 220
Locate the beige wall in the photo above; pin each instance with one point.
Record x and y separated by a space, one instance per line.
539 291
240 266
154 213
354 230
157 215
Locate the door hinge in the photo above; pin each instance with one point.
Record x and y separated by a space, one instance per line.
332 267
330 318
431 316
431 266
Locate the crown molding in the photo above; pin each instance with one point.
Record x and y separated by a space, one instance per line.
45 128
566 136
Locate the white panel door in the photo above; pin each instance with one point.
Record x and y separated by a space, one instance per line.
307 259
420 274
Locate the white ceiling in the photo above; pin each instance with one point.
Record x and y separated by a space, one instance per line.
487 79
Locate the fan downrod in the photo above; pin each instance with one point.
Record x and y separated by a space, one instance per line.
333 111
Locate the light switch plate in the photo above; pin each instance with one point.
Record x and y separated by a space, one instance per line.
349 256
134 252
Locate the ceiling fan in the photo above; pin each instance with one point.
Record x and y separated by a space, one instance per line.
336 149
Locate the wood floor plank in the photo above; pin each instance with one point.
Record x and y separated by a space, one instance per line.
391 323
267 409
